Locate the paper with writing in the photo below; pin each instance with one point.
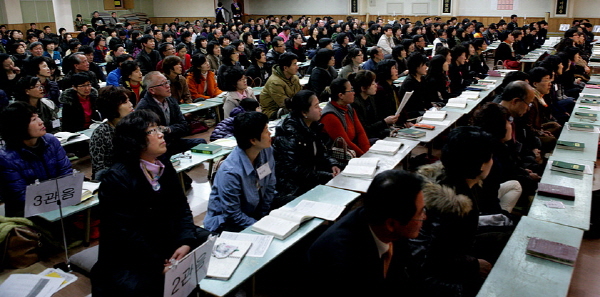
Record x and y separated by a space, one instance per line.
184 276
260 243
43 197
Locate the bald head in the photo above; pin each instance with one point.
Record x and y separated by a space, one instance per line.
517 97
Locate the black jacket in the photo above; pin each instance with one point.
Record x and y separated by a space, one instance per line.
419 101
177 122
366 110
73 118
319 79
301 159
147 61
141 229
254 72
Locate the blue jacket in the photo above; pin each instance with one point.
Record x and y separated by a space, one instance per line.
225 128
238 197
114 77
369 65
20 167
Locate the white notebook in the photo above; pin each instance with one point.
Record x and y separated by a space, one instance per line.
223 268
361 167
386 147
435 115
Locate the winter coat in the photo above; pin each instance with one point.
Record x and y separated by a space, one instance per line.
21 166
233 99
276 90
197 89
301 159
73 117
141 229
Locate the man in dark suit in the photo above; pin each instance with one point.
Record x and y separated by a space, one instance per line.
366 252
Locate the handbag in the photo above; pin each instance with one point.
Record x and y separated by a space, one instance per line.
340 150
20 247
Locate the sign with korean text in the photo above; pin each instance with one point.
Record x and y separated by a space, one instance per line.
45 196
184 276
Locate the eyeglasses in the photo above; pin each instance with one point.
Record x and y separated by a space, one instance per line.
155 131
423 215
85 86
528 104
349 91
166 83
40 87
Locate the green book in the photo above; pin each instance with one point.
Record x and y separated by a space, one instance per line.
586 115
581 127
567 167
206 149
412 133
591 96
570 145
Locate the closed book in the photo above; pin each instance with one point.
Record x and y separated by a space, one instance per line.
586 115
581 127
592 102
553 251
206 149
412 133
424 126
556 191
570 145
590 96
567 167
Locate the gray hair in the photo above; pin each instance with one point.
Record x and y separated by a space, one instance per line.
151 78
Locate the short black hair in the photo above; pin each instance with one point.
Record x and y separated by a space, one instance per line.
130 138
384 69
145 38
14 123
127 68
210 48
226 53
299 103
109 100
492 118
79 79
337 86
248 126
414 61
467 148
324 42
231 75
86 49
286 59
323 57
169 64
392 195
23 84
536 74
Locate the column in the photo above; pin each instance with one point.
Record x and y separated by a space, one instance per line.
13 11
63 14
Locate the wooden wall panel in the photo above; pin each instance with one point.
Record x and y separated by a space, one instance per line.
25 26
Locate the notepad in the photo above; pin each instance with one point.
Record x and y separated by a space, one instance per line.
223 268
361 167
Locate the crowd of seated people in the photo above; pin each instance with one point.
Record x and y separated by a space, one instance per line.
354 68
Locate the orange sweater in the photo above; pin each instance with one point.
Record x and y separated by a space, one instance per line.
197 89
355 135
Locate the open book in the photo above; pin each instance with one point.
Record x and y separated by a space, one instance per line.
471 95
459 102
88 190
386 147
65 136
361 167
282 222
435 115
221 267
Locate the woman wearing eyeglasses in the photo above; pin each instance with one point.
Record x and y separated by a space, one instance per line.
79 104
341 120
30 90
146 220
29 154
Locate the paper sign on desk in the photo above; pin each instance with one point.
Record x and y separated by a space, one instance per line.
43 197
183 277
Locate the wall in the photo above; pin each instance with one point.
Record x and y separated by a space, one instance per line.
402 7
529 8
586 9
35 11
184 8
307 7
86 7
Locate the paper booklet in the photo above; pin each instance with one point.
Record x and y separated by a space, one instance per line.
437 115
66 136
361 167
459 102
282 222
403 102
226 257
386 147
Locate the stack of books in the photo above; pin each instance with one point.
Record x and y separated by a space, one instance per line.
570 145
567 167
581 127
411 133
